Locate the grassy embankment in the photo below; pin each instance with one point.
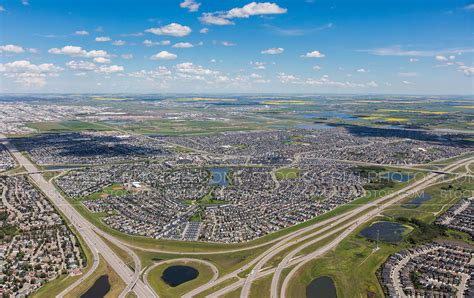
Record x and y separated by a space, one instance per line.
354 262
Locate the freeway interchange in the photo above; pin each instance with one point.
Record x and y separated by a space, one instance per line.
330 231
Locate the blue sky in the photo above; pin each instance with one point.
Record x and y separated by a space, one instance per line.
188 46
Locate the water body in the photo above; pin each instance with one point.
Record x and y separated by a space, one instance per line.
119 122
219 176
99 289
390 232
313 126
179 274
416 202
321 287
342 116
397 177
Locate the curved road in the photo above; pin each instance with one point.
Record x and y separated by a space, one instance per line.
84 227
214 269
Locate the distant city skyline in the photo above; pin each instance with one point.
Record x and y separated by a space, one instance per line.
193 46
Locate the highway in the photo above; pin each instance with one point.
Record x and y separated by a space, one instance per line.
332 222
341 225
85 229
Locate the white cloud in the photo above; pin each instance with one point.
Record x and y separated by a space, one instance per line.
102 39
407 83
469 7
28 74
408 74
159 73
254 8
317 67
468 71
372 84
251 9
204 30
212 19
2 9
11 49
81 33
126 56
191 5
414 60
313 54
106 69
173 29
362 70
399 51
452 57
228 44
149 43
258 65
81 65
183 45
441 58
75 51
26 66
136 34
190 68
25 2
164 55
273 51
102 60
118 42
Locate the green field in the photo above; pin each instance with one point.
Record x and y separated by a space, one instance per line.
354 262
115 189
287 173
66 126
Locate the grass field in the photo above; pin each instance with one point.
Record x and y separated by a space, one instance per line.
115 189
66 126
287 173
116 283
354 262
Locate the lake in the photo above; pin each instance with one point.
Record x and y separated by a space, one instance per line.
416 202
219 176
99 289
397 176
321 287
390 232
340 115
179 274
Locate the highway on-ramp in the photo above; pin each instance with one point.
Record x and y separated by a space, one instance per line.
84 228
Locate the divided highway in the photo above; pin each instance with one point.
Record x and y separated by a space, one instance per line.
85 229
292 243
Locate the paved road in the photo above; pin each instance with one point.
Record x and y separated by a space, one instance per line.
85 229
420 185
285 242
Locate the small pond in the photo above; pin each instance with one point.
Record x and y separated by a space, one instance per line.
390 232
416 202
219 176
321 287
179 274
99 289
397 176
